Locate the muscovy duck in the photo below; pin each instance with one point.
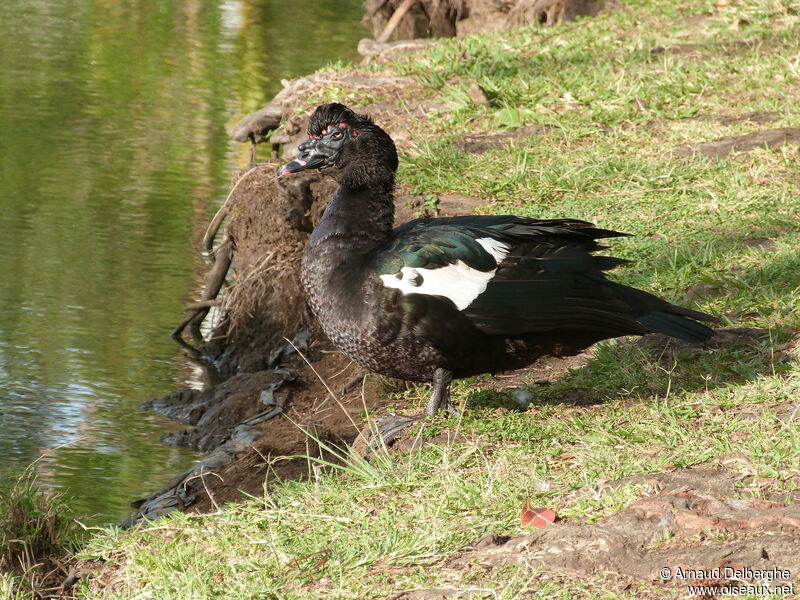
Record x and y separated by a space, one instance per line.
439 298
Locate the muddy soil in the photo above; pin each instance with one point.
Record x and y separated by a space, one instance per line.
479 143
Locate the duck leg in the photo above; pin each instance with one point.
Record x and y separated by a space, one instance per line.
440 394
387 429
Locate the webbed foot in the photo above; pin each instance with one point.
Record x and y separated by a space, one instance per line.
390 427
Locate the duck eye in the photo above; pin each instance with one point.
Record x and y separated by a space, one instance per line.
337 136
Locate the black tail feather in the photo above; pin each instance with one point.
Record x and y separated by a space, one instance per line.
606 263
693 314
678 326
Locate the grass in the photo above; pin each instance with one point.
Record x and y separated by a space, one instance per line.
36 527
609 111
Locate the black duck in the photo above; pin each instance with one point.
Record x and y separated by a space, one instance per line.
439 298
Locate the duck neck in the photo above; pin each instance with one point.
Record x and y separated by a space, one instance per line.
357 219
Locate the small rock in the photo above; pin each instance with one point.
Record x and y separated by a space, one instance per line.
477 94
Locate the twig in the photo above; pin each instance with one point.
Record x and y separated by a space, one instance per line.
351 384
394 20
214 280
324 552
195 306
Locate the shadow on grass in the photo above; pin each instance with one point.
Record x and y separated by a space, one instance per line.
723 265
655 366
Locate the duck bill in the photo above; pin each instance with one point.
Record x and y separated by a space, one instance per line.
294 166
310 157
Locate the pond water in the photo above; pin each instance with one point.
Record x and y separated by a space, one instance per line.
113 158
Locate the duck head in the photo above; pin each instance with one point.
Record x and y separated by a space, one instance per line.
351 147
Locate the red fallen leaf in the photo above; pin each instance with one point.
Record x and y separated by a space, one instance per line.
537 517
564 456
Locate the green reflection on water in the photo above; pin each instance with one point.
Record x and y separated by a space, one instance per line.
113 156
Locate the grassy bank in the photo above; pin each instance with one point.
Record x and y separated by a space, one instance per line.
614 108
36 532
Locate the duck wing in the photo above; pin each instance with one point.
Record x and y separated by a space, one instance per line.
513 276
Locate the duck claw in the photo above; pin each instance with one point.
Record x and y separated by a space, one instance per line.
387 429
452 410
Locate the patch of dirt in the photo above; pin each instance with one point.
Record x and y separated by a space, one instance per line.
396 102
250 424
311 420
411 206
766 244
480 143
544 371
704 479
761 117
214 413
767 138
704 289
269 221
547 13
790 348
692 521
442 594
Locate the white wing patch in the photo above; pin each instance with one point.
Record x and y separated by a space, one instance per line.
496 248
459 282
